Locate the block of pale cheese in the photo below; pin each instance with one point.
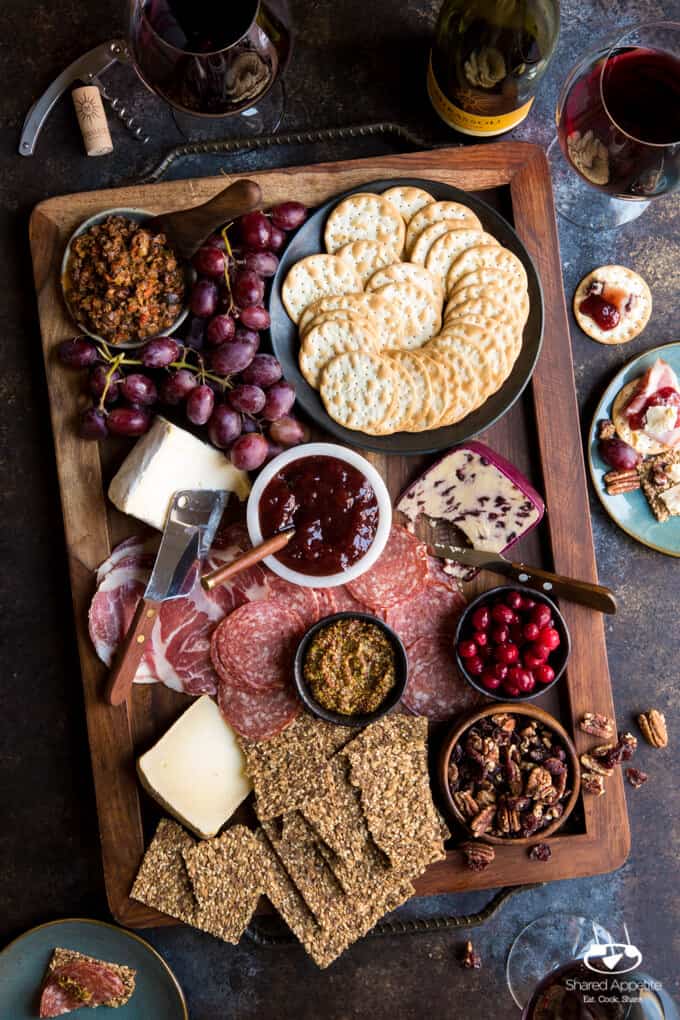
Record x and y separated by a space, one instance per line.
196 770
490 502
166 459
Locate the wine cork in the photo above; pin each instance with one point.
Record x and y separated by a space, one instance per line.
92 120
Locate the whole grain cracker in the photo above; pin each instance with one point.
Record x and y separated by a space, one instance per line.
466 237
439 211
366 257
336 815
408 200
314 277
323 342
365 216
60 957
359 390
162 881
631 323
405 272
226 875
484 256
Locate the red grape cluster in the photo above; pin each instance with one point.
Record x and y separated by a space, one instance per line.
217 375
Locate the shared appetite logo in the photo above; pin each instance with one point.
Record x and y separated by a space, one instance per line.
612 957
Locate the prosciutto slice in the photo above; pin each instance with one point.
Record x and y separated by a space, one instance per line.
656 378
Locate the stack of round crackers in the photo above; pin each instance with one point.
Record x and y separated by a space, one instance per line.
412 318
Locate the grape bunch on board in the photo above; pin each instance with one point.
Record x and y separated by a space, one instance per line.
216 376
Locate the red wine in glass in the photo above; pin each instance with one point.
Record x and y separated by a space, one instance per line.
619 121
205 58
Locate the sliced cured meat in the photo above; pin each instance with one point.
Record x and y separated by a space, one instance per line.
431 613
113 608
132 551
658 377
399 572
57 1001
346 603
256 644
304 601
435 688
256 714
437 573
79 983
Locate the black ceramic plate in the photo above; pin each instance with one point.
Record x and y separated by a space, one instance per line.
309 240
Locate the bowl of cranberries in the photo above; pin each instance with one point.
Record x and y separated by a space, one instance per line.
512 643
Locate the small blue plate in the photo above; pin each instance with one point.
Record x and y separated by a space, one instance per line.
23 964
631 510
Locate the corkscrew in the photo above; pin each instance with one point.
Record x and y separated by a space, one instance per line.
128 120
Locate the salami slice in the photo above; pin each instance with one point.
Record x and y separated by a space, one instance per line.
79 983
399 572
436 573
435 688
431 613
304 601
256 714
256 644
57 1001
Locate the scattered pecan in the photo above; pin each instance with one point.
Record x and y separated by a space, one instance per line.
478 856
471 958
482 822
628 744
636 778
597 725
653 727
595 765
606 430
618 482
593 783
540 852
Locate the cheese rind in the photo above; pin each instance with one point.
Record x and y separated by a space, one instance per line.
197 770
166 459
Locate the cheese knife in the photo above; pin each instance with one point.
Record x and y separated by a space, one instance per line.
190 527
443 541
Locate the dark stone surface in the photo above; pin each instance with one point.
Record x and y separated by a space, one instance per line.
354 62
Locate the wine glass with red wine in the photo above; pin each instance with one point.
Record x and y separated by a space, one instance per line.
618 128
211 61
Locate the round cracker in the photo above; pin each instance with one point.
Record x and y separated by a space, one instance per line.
506 311
366 257
485 256
439 211
345 314
441 393
418 311
639 440
387 317
359 390
405 272
420 378
511 287
406 405
314 277
325 341
503 336
408 200
464 238
632 323
466 370
497 344
365 217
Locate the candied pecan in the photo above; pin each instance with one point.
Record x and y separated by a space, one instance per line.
518 803
486 794
478 856
618 482
594 765
608 755
453 775
466 803
474 742
593 783
540 852
491 750
482 822
653 727
605 430
513 776
636 778
505 722
597 725
508 819
471 958
554 811
628 744
539 785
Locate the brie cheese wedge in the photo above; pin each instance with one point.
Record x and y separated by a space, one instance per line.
166 459
197 771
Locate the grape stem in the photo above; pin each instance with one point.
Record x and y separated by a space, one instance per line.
115 361
225 237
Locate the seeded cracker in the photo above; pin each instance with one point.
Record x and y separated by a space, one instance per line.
336 816
292 766
61 956
226 874
162 881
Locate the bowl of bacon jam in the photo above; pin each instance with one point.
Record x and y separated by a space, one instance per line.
350 669
338 506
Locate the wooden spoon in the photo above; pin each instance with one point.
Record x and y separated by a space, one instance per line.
249 559
187 229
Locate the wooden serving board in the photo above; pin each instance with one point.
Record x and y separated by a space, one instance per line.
541 435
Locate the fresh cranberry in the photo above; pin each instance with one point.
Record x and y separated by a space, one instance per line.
525 681
502 614
481 638
489 680
550 623
541 652
500 670
467 649
514 600
544 673
540 615
531 661
507 654
516 633
527 603
499 634
474 666
510 689
531 631
481 618
549 638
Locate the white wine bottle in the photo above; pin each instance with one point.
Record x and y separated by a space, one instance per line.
487 60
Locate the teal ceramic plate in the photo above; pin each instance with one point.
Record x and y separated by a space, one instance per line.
23 964
631 510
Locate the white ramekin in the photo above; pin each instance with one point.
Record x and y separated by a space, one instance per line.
349 457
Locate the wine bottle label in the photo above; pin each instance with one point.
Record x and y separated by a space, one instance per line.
481 125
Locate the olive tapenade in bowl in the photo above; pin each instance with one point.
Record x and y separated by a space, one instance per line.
122 283
350 669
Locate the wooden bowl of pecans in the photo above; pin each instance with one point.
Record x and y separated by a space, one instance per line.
510 775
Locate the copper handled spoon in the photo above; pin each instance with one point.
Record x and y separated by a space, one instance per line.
248 559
